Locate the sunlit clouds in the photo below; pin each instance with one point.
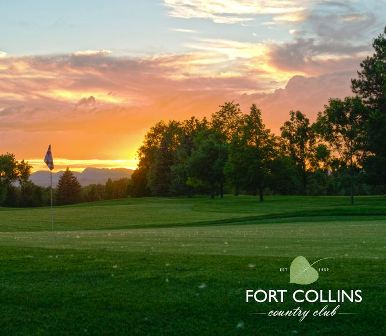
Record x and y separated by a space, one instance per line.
100 84
101 105
234 11
73 96
182 30
227 58
89 52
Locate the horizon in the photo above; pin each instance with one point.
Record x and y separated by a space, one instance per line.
80 165
93 80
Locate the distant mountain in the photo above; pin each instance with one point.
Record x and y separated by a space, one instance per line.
86 177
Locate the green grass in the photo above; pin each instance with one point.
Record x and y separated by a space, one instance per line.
181 266
172 212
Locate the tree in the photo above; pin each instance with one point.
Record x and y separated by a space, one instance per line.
284 178
252 153
147 155
342 126
179 170
68 190
12 171
207 161
160 173
94 192
109 192
299 142
31 195
157 155
23 171
138 186
227 120
370 86
236 165
117 188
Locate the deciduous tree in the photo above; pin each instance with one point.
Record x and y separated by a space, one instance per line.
342 126
299 142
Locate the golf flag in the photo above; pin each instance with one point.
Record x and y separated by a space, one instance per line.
48 159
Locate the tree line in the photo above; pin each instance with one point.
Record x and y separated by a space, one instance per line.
342 152
16 189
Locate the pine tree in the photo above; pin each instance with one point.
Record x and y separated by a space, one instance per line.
370 86
68 190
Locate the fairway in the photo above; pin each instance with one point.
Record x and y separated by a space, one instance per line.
180 266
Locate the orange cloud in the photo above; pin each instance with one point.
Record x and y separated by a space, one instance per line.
75 96
99 107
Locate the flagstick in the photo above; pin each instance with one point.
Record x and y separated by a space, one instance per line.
52 213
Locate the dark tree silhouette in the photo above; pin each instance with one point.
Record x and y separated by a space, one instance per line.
299 142
68 190
370 86
12 171
342 125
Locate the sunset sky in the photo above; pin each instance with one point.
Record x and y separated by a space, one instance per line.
90 77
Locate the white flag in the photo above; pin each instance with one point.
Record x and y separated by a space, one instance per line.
48 159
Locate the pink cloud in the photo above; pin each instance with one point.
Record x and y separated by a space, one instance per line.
98 106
